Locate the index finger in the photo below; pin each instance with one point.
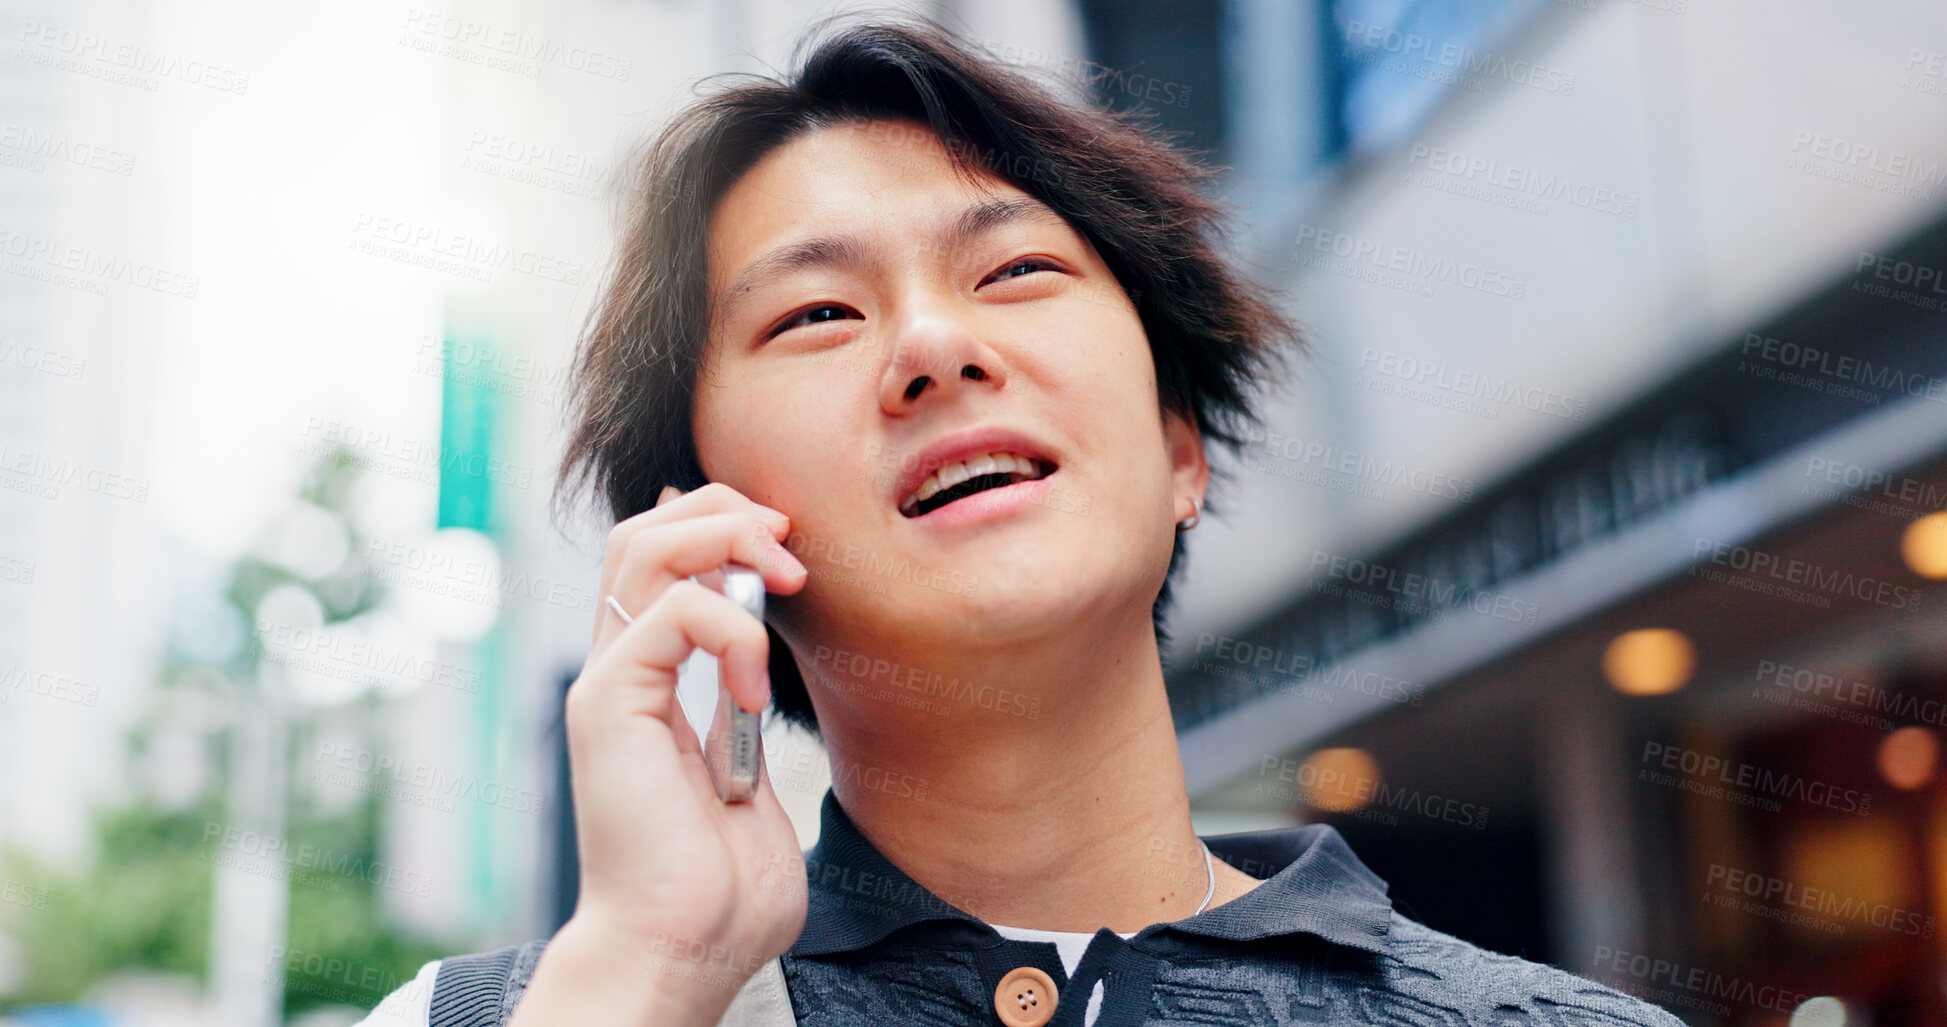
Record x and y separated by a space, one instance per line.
675 504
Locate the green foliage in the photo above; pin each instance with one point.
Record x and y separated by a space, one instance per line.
145 902
341 948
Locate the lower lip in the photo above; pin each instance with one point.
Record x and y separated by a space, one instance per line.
989 505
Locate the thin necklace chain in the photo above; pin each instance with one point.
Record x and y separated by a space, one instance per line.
1208 868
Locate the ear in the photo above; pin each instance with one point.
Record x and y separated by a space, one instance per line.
1189 470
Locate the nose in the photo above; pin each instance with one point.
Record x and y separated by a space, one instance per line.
934 352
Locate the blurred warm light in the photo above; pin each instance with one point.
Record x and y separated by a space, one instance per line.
1925 546
1823 1011
1649 661
1338 780
1935 840
1865 862
1907 757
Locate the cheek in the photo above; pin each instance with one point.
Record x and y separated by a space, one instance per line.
734 442
776 434
1109 372
1110 338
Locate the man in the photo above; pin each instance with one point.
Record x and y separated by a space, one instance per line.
938 354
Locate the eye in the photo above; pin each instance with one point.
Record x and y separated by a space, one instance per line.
1023 266
819 314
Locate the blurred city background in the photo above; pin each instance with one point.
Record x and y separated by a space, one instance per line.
1590 580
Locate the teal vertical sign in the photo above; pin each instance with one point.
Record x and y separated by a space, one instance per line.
470 430
469 426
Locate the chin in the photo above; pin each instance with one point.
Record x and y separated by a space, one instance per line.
1031 604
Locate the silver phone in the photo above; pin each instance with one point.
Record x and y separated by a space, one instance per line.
732 743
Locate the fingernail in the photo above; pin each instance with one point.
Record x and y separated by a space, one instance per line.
774 514
669 492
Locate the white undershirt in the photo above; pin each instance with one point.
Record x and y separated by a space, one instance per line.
1069 945
411 1005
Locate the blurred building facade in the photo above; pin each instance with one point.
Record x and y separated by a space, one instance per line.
1609 645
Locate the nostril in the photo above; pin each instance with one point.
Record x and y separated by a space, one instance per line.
918 386
974 373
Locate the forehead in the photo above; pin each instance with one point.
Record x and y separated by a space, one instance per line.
888 179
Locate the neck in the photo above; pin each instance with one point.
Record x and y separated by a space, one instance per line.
1072 819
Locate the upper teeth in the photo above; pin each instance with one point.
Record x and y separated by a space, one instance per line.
954 473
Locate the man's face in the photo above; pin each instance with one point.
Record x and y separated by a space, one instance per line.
872 304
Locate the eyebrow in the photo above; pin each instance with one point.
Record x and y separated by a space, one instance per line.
849 252
989 215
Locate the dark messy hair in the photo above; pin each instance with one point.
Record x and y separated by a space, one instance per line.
1212 333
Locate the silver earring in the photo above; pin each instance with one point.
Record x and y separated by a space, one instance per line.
1196 514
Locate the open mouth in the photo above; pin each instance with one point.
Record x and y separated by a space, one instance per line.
961 479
